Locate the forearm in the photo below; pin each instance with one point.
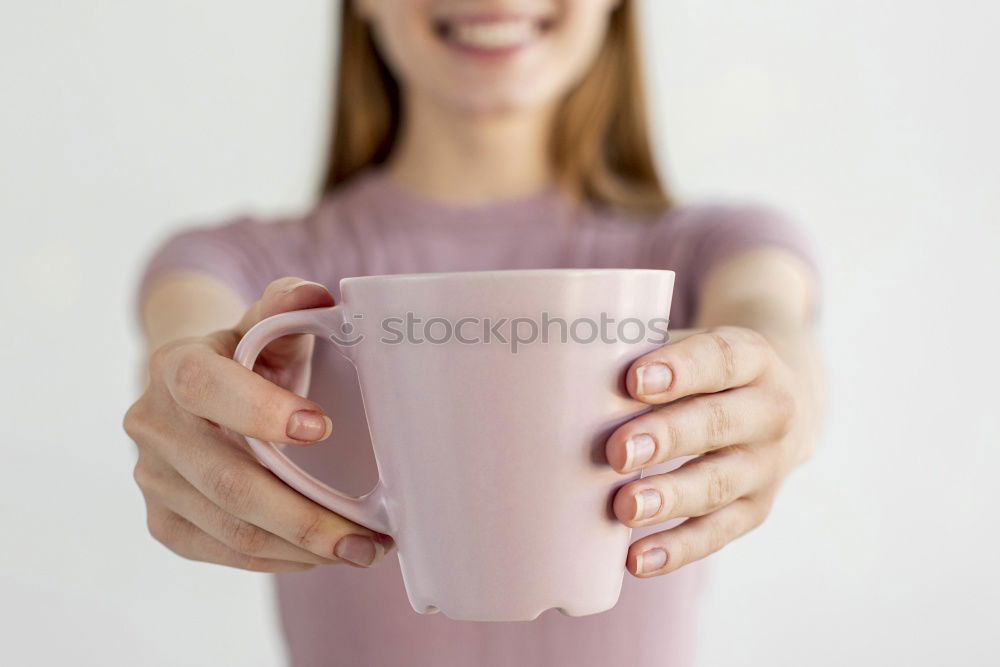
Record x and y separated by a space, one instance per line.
188 303
185 304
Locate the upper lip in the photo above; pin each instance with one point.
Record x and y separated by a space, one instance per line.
485 17
496 16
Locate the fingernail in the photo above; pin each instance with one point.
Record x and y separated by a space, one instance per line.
299 284
650 560
652 379
360 550
638 450
647 503
308 425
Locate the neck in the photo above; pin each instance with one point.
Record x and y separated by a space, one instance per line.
462 158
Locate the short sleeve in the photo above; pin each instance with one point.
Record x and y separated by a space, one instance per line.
723 232
693 241
234 252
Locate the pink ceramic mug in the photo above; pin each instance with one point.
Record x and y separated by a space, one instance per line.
489 438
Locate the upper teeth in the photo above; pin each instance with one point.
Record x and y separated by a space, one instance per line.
494 34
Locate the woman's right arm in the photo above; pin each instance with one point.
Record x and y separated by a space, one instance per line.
206 497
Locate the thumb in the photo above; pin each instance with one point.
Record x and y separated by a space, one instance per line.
281 296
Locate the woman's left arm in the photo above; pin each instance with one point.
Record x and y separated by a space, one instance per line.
742 392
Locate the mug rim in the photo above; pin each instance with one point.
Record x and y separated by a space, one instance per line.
521 273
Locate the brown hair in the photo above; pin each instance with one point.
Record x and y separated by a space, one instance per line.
600 145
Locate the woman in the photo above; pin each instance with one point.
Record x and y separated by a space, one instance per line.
493 134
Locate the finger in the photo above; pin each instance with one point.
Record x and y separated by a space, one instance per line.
224 392
187 540
231 479
282 296
697 425
703 363
698 487
178 496
694 539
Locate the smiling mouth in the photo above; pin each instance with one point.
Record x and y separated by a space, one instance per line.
492 35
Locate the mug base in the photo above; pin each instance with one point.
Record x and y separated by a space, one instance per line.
501 617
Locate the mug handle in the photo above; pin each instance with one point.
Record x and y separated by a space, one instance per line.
368 510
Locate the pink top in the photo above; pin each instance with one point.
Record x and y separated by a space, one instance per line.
348 616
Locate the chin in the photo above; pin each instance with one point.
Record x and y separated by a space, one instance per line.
497 101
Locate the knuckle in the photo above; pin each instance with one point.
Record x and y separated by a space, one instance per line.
157 363
163 528
134 421
785 409
725 352
189 378
148 427
140 475
760 509
144 476
230 487
248 538
309 530
719 423
779 458
720 487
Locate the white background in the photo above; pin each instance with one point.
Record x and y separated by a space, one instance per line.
872 122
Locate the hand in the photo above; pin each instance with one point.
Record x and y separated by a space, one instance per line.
207 498
726 397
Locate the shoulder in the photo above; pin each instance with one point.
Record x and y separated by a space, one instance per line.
270 237
248 251
275 230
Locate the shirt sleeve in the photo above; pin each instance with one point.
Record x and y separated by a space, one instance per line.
234 252
723 232
696 240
